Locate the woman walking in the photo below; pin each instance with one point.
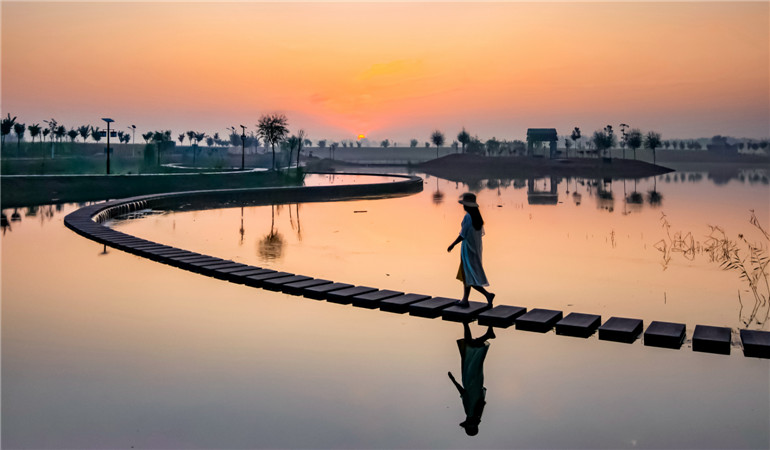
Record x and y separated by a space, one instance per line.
471 272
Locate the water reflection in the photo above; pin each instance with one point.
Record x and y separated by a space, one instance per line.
270 247
473 352
544 193
747 256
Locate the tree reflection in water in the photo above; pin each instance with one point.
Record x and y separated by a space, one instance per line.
270 247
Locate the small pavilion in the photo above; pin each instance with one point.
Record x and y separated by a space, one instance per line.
536 137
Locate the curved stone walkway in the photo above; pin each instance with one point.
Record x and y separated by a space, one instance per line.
87 221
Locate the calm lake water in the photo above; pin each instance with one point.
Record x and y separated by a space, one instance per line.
102 349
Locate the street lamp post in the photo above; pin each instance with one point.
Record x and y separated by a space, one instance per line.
133 135
109 121
243 147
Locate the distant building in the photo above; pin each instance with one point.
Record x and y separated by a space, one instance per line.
536 139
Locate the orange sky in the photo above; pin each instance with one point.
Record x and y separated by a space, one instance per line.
392 70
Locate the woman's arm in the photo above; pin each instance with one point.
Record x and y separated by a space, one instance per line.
457 385
452 245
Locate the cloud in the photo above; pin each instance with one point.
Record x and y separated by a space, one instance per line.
401 67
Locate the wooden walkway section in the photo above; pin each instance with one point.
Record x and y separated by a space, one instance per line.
87 221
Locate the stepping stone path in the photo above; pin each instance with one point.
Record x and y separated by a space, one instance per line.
87 221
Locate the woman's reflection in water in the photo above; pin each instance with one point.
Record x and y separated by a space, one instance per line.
472 391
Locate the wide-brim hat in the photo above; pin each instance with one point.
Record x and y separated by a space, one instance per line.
468 199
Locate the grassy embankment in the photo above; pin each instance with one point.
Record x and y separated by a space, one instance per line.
17 191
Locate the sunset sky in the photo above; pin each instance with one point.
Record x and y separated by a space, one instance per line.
392 70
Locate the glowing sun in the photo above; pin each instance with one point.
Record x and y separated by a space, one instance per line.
361 136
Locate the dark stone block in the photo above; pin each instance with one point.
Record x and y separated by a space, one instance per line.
578 325
538 320
430 308
664 334
211 269
276 284
456 313
223 272
621 329
197 266
151 246
258 280
239 268
299 287
400 303
240 276
346 295
183 261
372 299
197 259
756 344
712 339
319 292
501 316
163 250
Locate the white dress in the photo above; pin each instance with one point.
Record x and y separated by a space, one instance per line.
470 254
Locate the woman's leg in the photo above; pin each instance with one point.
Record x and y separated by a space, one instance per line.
490 296
466 293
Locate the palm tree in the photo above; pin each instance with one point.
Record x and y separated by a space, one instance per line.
273 128
161 138
302 140
84 131
190 137
60 132
437 138
19 129
34 131
623 138
181 138
73 134
6 126
96 134
652 141
575 136
147 136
